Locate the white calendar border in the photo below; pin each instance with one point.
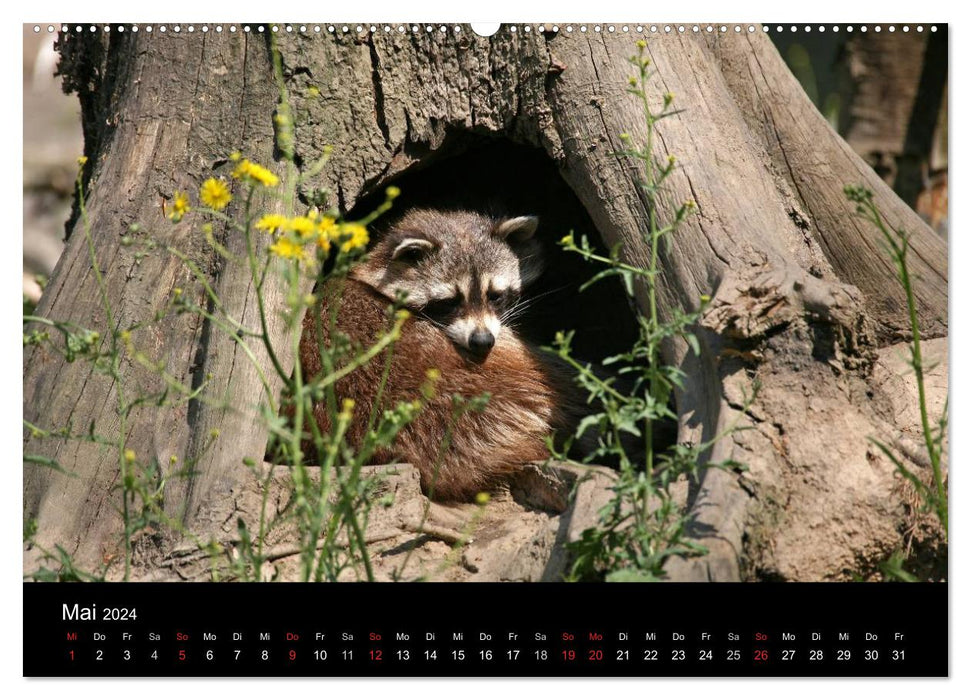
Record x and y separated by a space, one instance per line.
490 11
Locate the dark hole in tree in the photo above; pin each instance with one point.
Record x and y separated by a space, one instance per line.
498 176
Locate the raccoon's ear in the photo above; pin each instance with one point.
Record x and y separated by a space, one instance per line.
412 249
518 229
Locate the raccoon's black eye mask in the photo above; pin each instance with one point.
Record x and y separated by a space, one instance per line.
501 301
442 309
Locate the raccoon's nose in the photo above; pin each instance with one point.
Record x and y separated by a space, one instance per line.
481 341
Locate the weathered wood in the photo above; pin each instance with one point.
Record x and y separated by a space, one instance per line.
764 168
519 537
815 165
174 107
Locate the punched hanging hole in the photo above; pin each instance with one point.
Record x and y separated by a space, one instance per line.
486 29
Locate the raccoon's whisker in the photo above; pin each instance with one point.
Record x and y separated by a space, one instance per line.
525 304
532 298
516 311
511 319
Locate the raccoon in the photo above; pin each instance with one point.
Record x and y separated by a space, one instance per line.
462 274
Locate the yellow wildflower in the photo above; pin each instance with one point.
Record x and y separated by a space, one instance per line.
641 44
245 169
392 192
263 176
214 194
82 160
179 207
323 242
353 236
327 226
271 223
482 498
301 225
129 455
288 249
632 81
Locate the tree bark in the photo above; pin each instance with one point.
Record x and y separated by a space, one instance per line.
897 85
805 297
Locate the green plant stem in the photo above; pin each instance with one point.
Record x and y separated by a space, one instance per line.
899 251
255 276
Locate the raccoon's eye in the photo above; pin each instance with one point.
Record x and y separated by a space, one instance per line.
442 307
503 300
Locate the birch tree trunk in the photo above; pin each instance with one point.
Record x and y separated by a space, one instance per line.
805 300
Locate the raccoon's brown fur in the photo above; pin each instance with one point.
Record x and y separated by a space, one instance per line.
530 396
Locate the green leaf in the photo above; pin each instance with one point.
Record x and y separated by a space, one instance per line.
588 422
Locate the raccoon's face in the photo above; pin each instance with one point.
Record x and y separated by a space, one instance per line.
461 270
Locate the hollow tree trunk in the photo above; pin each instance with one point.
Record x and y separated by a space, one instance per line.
805 300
